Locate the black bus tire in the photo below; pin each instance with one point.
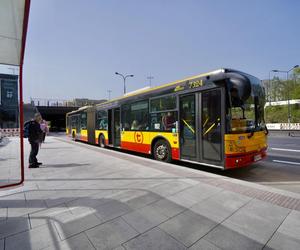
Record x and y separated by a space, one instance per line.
101 141
162 151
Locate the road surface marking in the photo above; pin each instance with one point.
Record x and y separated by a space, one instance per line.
286 149
288 162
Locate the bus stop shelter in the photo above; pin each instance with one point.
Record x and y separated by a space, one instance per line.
14 16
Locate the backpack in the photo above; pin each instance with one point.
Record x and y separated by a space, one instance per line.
26 129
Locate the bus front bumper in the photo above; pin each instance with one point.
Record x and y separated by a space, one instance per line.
242 160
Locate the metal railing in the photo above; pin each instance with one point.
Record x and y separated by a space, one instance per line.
51 102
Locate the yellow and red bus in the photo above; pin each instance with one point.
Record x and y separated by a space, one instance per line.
214 119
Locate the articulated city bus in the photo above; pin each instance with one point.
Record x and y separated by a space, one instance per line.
214 119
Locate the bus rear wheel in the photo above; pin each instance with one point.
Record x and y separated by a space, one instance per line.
162 151
101 141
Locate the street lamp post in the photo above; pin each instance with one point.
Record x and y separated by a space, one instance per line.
269 87
287 78
124 78
150 78
109 92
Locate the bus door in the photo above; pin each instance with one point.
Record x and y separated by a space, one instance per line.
91 119
77 126
188 129
110 126
212 122
201 127
117 127
114 134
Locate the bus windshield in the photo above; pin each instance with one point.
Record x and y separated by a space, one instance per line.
247 115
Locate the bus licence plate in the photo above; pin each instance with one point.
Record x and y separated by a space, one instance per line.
257 157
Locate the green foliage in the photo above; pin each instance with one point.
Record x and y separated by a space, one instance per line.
279 114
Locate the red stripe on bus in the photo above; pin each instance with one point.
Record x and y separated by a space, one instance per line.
175 153
83 138
138 147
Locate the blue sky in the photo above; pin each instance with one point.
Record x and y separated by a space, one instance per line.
74 47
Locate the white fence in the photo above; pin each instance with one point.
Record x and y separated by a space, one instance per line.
9 132
283 126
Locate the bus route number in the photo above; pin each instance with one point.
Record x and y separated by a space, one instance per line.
196 84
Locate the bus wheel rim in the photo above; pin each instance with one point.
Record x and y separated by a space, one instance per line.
161 152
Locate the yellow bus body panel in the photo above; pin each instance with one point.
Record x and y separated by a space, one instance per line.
240 143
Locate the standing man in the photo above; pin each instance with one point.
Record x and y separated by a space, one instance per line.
35 138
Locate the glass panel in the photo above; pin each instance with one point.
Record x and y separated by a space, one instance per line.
83 121
135 116
211 125
126 119
164 121
247 115
163 103
101 120
10 164
188 127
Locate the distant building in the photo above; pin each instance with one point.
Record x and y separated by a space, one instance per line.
9 105
80 102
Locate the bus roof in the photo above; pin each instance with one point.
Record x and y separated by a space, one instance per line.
149 90
80 109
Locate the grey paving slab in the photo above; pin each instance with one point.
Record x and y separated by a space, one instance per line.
78 242
71 224
111 210
167 207
3 213
220 206
142 198
13 226
291 225
204 245
282 241
171 187
119 248
47 216
38 238
111 234
13 200
135 198
91 201
193 195
145 218
154 239
188 227
63 196
257 220
26 208
225 238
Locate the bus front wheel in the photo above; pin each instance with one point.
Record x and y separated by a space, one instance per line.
102 141
162 151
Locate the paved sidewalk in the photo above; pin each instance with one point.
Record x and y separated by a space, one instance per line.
85 197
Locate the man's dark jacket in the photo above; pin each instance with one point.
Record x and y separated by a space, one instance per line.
35 132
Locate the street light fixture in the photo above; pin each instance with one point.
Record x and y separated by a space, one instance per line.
287 78
150 78
109 93
124 78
